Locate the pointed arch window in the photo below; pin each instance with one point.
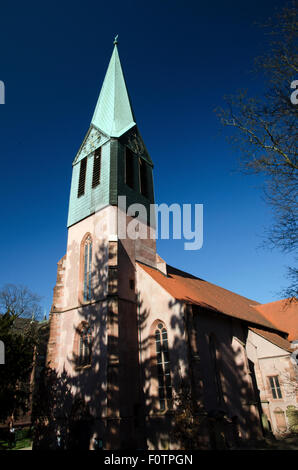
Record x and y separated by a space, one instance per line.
85 343
87 292
163 367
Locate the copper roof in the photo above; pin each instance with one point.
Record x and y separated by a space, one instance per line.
193 290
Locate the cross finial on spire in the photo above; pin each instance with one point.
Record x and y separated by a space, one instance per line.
116 40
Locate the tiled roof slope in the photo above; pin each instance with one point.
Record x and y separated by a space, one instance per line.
283 314
191 289
274 338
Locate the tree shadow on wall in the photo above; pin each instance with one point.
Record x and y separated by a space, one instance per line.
223 386
157 423
115 398
69 406
111 398
215 404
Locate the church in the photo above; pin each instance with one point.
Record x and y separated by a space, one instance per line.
126 329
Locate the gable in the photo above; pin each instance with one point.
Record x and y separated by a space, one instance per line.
268 344
157 303
133 140
273 338
93 139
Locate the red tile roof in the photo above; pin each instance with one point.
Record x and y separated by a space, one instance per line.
273 338
283 314
191 289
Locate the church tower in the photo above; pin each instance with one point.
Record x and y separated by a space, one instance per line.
93 345
128 331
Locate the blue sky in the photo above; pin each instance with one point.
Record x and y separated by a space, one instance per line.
179 58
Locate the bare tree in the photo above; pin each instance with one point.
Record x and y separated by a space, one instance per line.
264 130
18 301
21 336
290 383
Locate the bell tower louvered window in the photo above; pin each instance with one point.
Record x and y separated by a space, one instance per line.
143 177
163 367
96 168
129 168
82 178
87 269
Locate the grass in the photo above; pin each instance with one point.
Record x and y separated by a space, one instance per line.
22 441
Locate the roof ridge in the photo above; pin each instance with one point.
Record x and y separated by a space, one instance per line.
199 292
216 285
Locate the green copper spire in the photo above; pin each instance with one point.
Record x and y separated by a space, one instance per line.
113 113
99 172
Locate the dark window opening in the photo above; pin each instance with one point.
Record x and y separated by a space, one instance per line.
143 177
132 284
82 178
129 168
138 415
275 387
85 343
214 359
96 168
